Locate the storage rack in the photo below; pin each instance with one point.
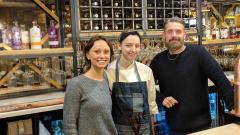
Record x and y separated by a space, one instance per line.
117 15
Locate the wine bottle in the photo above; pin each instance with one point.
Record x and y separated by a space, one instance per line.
105 15
159 4
168 5
176 4
137 4
138 26
17 37
95 3
160 14
96 26
52 35
95 15
106 2
137 15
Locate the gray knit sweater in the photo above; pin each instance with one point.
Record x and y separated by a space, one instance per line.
87 108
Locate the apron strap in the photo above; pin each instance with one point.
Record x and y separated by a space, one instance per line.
117 71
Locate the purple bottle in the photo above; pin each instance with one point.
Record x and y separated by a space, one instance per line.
16 37
9 38
1 37
52 35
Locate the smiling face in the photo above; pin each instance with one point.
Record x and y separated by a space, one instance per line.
99 54
130 47
173 35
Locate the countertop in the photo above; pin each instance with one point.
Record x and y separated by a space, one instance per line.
230 129
31 104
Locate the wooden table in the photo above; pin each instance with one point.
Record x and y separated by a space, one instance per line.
230 129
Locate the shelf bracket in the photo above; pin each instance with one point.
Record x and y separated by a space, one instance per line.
7 76
49 80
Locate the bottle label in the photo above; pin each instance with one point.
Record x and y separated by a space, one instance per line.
53 43
35 37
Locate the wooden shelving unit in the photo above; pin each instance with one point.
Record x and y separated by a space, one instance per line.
46 52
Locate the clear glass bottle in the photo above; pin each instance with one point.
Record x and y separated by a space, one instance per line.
1 37
52 35
25 37
208 32
16 37
232 30
35 36
224 32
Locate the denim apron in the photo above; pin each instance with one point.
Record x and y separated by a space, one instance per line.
130 108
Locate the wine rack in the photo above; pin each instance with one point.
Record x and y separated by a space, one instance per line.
159 11
117 15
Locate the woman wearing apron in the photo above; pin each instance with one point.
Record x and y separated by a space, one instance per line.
133 89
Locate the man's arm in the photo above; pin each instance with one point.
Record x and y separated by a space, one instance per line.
213 71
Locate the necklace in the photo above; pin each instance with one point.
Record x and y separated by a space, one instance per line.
168 55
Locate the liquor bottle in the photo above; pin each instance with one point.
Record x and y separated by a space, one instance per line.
208 32
16 37
25 37
232 30
1 37
52 35
224 32
214 32
8 38
35 36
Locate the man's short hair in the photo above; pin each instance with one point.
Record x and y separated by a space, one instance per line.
174 19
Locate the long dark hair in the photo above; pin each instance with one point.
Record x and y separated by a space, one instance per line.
89 45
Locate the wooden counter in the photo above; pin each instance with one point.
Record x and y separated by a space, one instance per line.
31 104
230 129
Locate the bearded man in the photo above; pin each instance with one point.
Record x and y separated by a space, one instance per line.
182 73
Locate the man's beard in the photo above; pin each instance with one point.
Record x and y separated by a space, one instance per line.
174 46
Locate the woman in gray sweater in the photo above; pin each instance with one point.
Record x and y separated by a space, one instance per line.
87 104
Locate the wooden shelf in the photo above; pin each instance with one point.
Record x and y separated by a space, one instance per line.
46 52
4 91
220 42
